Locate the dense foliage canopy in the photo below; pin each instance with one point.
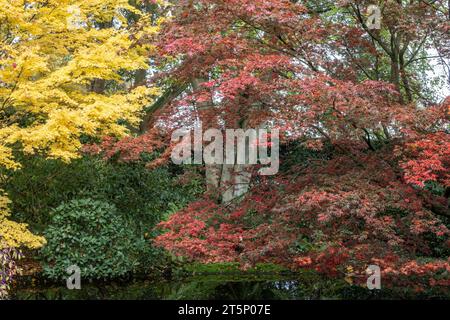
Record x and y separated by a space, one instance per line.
358 95
363 113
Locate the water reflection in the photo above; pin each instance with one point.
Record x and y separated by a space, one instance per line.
212 288
194 289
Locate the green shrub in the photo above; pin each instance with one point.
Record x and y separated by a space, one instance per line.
141 196
93 236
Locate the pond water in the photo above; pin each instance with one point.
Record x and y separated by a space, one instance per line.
211 287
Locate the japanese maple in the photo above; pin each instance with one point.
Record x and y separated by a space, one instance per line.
317 71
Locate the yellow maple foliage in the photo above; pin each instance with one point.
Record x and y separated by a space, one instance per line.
65 71
13 234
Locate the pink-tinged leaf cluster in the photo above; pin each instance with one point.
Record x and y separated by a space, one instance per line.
427 159
129 149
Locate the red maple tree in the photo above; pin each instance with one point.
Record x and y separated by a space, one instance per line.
318 72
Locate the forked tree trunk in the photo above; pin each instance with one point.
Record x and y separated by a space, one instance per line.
225 182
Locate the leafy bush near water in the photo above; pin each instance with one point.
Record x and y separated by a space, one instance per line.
140 197
8 268
93 236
